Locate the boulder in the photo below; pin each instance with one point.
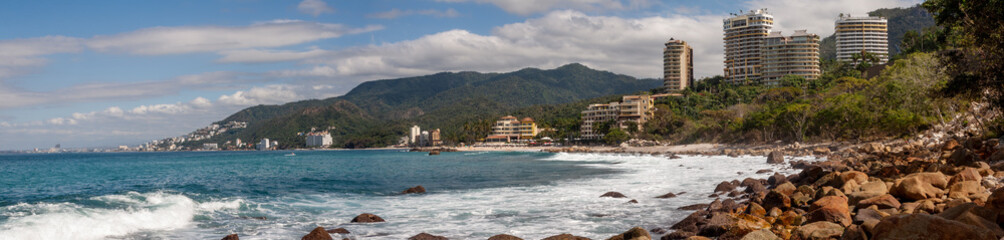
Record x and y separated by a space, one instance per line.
970 213
613 195
367 218
756 210
231 237
762 234
724 187
882 202
504 237
690 223
818 231
565 236
317 234
632 201
831 209
763 171
426 236
869 217
339 230
776 199
963 157
677 235
854 232
717 225
786 188
635 233
919 186
699 206
775 158
951 144
925 226
667 195
964 189
777 179
967 174
857 176
755 187
416 189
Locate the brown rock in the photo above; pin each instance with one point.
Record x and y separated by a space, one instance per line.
755 187
775 158
967 174
919 186
231 237
339 230
818 231
763 171
756 210
974 215
317 234
724 187
416 189
762 234
367 218
858 177
565 237
776 199
884 201
689 223
635 233
677 235
831 209
951 144
613 195
777 179
426 236
633 201
854 232
868 190
504 237
698 238
790 218
963 157
964 189
699 206
667 195
925 226
717 224
786 188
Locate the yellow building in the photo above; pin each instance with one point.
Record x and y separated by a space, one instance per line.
678 65
797 55
509 128
632 110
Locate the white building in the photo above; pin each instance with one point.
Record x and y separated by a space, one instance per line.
857 34
416 133
210 146
319 139
744 35
424 139
265 144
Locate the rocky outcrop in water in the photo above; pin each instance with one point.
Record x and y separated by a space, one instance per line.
367 218
416 189
317 234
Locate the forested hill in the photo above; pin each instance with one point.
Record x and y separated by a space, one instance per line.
376 113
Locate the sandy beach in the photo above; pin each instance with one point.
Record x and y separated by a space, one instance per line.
702 147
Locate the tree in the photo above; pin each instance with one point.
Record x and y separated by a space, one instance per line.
615 136
973 31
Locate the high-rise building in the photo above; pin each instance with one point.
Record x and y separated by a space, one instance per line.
797 55
862 34
678 65
744 34
416 133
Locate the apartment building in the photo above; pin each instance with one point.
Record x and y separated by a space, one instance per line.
631 111
862 34
744 35
678 65
797 54
510 128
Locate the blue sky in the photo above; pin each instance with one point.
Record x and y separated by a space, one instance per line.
108 73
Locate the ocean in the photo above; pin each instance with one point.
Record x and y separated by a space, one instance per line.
270 195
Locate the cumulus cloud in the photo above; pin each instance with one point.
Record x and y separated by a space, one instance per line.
530 7
818 16
314 7
271 94
396 13
176 40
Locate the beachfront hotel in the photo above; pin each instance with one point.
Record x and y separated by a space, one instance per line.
631 111
678 65
862 34
319 139
796 55
744 35
509 129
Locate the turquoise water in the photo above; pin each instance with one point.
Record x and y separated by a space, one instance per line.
268 195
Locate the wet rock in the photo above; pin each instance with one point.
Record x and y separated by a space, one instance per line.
367 218
231 237
677 235
635 233
416 189
565 237
925 226
882 202
339 230
818 231
613 195
919 186
763 171
317 234
775 158
657 231
690 223
699 206
776 199
715 205
716 225
755 187
725 187
777 179
426 236
504 237
831 209
786 188
756 210
633 201
667 195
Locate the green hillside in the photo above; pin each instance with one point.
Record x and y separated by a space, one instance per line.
377 113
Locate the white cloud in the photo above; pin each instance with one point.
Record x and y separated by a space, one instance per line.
522 7
818 16
271 94
263 56
396 13
19 56
314 7
176 40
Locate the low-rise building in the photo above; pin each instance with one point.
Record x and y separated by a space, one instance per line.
633 111
319 139
265 144
435 138
510 128
210 146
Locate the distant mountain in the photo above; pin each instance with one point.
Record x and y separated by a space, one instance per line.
376 113
901 20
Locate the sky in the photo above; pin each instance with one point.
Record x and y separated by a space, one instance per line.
89 74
